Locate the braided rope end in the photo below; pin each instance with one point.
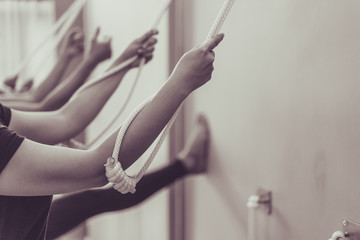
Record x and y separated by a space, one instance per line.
119 180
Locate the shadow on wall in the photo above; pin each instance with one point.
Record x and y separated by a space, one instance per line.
219 182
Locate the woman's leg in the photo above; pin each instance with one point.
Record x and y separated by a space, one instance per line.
69 211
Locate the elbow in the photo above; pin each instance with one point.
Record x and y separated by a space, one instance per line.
97 174
100 181
97 180
71 125
63 128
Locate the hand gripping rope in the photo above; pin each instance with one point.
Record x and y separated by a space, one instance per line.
113 71
60 28
114 172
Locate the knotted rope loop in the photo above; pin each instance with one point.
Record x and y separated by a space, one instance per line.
119 179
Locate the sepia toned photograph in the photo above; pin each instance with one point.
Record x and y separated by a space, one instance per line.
179 119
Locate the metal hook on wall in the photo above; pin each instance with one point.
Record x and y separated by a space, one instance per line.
351 231
338 235
263 198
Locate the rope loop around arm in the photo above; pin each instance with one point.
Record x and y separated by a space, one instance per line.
114 172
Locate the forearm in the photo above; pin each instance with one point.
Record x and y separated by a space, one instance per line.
148 124
15 97
52 127
85 105
53 79
63 92
23 105
49 83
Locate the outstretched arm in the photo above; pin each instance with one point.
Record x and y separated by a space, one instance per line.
73 46
98 52
49 170
60 125
193 70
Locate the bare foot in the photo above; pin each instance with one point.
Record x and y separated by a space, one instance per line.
195 153
11 82
27 86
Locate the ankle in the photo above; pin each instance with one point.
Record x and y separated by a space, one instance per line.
182 159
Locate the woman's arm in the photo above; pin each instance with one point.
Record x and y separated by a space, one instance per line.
73 46
37 169
99 51
192 71
57 126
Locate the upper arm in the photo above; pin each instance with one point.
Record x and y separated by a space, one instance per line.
36 169
44 127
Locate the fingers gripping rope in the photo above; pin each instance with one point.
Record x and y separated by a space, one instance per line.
59 29
119 68
155 25
114 172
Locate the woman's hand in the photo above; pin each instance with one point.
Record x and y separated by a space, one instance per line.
99 50
74 43
194 69
143 47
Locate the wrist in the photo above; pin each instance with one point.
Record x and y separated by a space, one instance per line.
91 62
66 56
125 69
120 60
181 87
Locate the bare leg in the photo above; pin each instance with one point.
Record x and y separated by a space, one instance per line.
11 82
27 86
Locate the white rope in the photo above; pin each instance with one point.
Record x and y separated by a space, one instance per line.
166 6
220 19
62 24
155 25
142 62
338 235
71 16
115 70
105 75
114 172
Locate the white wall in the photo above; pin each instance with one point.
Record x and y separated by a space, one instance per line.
124 21
283 106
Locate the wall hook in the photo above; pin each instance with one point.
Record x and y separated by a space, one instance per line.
338 235
262 198
351 231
